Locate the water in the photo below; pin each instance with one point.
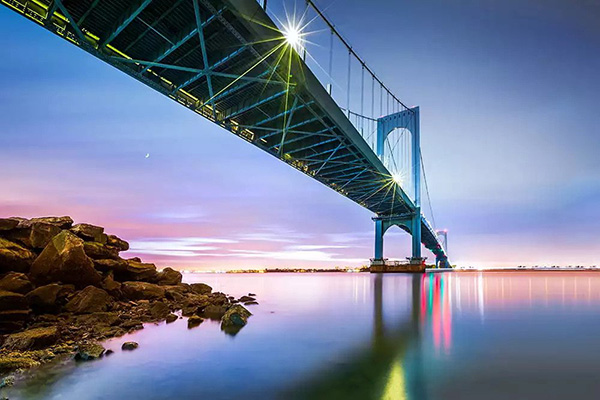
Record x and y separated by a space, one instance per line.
491 335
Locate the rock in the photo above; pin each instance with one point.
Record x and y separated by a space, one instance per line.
128 270
218 298
251 294
12 301
245 299
194 321
89 351
14 257
89 300
98 318
132 325
171 318
64 260
138 271
12 363
201 288
98 251
32 339
41 234
189 310
214 312
250 303
175 293
61 222
111 286
90 232
108 352
16 282
129 346
107 265
13 320
142 290
120 244
49 298
7 224
236 316
159 310
169 276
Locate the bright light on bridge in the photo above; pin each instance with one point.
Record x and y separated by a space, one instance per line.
293 36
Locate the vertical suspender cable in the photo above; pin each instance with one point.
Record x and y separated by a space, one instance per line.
349 76
373 123
331 64
362 101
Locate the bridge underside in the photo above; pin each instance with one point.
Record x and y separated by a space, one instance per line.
226 61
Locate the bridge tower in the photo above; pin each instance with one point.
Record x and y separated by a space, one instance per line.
411 222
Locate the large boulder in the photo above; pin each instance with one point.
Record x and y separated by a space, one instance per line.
14 257
90 232
89 351
12 301
89 300
98 251
142 291
201 288
41 234
7 224
169 276
120 244
128 270
111 286
61 222
49 298
16 282
138 271
32 339
64 260
106 265
235 319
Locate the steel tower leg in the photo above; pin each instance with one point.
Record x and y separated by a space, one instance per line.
416 156
378 240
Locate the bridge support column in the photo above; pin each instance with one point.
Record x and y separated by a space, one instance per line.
409 222
379 231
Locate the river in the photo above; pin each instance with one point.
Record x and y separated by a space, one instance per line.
453 335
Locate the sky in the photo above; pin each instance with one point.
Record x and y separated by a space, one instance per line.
508 92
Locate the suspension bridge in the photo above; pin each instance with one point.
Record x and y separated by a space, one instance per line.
284 80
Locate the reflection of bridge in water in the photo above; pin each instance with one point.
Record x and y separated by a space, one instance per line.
391 366
228 61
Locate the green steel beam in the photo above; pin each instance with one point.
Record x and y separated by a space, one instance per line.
200 29
208 71
170 49
256 103
126 20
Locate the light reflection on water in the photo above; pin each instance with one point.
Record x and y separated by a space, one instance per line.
452 335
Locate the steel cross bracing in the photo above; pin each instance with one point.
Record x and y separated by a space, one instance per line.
227 61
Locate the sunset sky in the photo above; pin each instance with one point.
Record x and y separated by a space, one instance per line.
508 92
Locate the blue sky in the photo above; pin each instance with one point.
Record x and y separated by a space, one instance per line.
508 92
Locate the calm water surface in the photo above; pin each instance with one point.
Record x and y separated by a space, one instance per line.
360 336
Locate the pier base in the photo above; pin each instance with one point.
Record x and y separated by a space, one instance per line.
414 265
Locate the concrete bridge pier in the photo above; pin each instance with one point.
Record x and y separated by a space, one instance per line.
408 222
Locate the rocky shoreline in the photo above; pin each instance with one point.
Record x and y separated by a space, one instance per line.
64 288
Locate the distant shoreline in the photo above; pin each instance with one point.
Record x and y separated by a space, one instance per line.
366 269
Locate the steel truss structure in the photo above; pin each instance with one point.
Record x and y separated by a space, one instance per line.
227 61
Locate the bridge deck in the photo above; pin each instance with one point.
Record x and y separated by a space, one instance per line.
237 71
